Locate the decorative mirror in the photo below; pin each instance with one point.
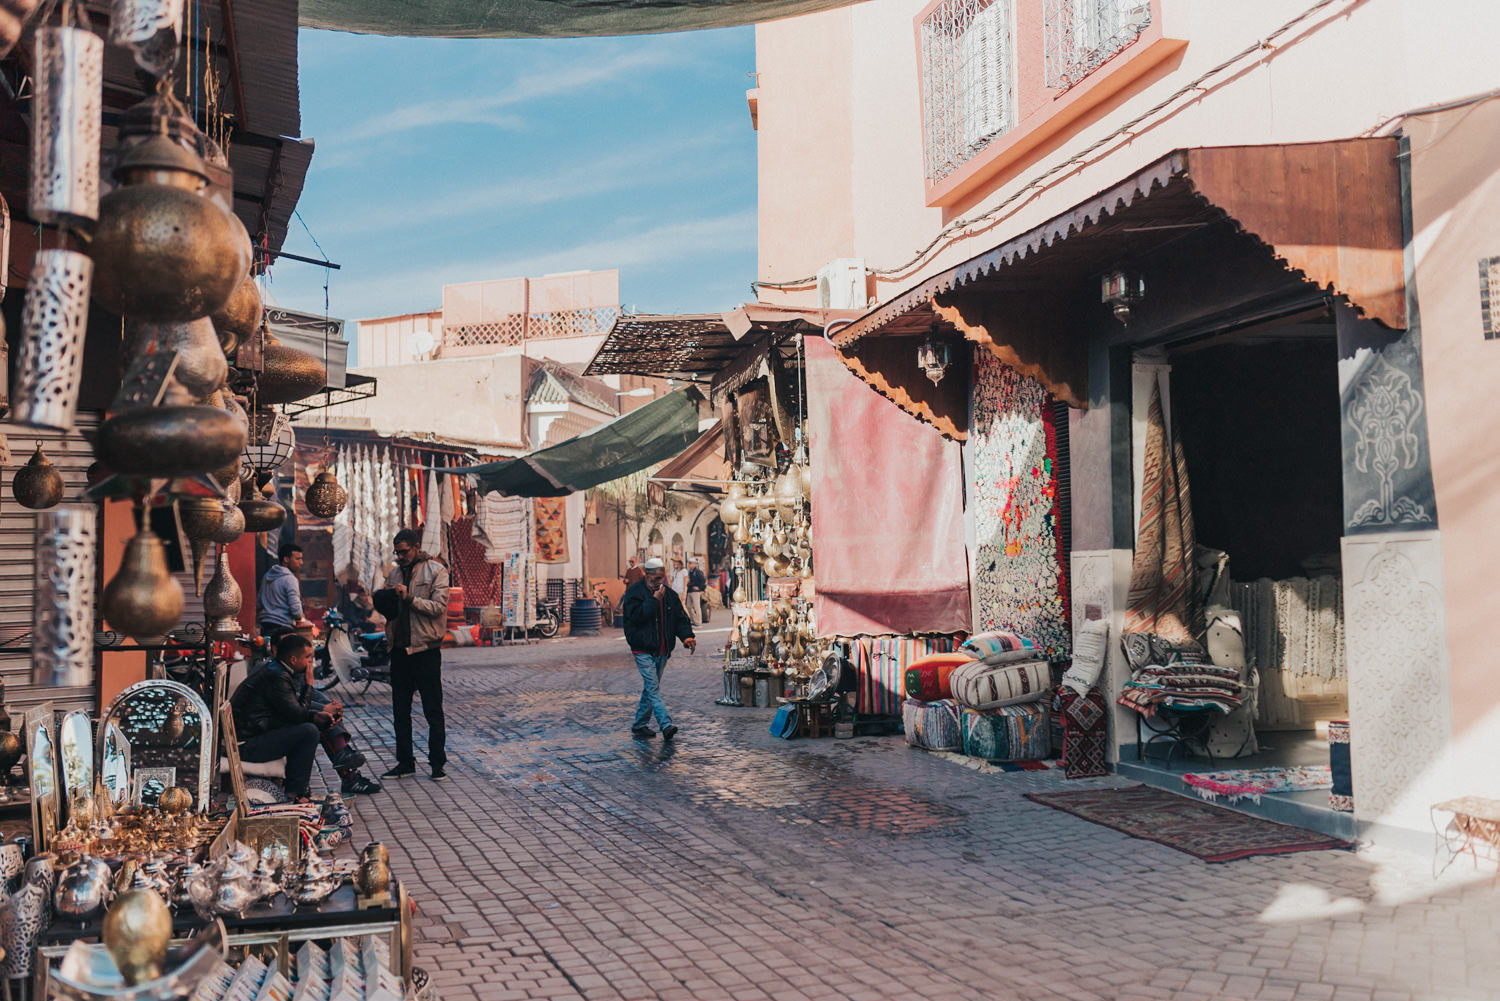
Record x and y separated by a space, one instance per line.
75 752
41 769
114 764
165 725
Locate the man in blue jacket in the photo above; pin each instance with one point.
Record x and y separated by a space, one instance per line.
654 621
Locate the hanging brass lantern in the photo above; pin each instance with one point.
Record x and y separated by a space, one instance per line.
221 600
201 518
234 519
143 600
325 498
290 374
37 484
240 316
261 513
162 251
176 438
201 365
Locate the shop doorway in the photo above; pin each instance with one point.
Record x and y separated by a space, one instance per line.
1258 416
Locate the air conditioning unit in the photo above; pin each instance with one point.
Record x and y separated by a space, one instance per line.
841 284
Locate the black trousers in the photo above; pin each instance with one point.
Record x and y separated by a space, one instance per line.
297 743
419 674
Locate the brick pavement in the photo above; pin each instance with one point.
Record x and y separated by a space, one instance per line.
565 860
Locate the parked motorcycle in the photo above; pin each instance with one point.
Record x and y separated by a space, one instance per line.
349 657
548 618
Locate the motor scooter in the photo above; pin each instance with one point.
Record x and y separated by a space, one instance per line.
350 658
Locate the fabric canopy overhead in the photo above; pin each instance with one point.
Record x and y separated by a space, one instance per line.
888 514
546 18
641 438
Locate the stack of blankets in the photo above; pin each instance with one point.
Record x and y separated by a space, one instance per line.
1167 674
989 699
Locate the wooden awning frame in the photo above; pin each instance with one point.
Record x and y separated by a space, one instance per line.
1329 211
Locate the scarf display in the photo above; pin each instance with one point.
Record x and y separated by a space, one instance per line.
881 662
1020 584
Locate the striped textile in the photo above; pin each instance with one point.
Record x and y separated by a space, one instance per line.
881 662
1163 589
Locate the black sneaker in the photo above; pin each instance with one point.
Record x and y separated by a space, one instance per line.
399 772
357 784
642 732
669 731
348 758
438 775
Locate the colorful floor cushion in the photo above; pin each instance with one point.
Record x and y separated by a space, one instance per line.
1000 647
933 725
1010 733
989 686
1085 732
927 679
1341 797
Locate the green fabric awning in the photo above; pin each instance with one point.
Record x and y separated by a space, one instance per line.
545 18
629 443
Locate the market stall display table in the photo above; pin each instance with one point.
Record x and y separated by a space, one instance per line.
338 916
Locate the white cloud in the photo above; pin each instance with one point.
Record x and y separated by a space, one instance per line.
486 109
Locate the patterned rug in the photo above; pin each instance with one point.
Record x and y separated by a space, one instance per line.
1253 783
551 529
1211 833
1019 577
989 767
1163 581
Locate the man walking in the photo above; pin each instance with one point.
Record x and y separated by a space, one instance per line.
419 586
679 583
281 595
697 593
278 714
654 622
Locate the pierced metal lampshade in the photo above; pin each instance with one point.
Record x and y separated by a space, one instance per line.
272 441
150 29
325 498
62 622
50 363
65 126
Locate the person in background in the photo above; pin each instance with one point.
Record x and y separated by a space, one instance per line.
680 585
654 622
281 595
633 572
417 590
278 714
697 592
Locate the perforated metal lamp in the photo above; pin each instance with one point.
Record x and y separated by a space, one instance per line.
272 442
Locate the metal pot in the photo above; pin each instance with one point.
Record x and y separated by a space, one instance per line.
240 316
83 890
201 365
37 484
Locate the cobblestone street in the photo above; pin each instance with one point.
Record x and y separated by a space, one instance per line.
564 859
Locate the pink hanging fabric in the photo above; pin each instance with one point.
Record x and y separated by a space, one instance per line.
887 509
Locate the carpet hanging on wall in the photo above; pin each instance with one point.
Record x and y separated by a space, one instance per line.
551 529
1163 574
1019 577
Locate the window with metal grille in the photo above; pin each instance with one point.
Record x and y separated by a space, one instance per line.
1082 34
967 88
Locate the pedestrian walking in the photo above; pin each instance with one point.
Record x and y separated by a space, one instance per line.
697 593
417 590
679 584
654 621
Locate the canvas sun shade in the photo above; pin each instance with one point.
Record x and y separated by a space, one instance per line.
645 436
887 511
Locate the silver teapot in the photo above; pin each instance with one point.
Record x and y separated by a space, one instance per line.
83 890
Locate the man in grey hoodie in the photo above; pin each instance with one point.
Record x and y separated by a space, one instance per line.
281 595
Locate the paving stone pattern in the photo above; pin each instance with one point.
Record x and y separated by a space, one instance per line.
564 859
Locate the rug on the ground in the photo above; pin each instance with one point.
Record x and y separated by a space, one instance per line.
1252 783
1211 833
990 767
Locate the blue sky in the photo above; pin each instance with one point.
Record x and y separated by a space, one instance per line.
451 160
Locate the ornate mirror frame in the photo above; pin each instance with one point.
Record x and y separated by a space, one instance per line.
207 758
75 756
41 723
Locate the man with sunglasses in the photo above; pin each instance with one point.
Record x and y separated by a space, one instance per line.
417 590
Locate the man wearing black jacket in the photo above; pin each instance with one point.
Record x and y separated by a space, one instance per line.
278 714
654 621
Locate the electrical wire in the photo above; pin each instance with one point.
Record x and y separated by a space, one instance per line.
1039 182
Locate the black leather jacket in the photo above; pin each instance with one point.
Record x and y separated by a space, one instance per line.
653 626
269 699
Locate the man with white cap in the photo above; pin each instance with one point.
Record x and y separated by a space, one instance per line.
654 621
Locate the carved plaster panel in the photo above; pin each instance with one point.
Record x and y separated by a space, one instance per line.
1399 708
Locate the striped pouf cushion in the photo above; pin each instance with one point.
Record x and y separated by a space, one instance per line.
932 725
983 686
1010 733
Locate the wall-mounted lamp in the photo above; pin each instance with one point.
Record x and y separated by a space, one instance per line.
1120 290
932 359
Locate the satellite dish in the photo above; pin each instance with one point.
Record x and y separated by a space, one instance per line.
422 343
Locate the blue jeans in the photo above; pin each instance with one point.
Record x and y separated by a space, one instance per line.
651 668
